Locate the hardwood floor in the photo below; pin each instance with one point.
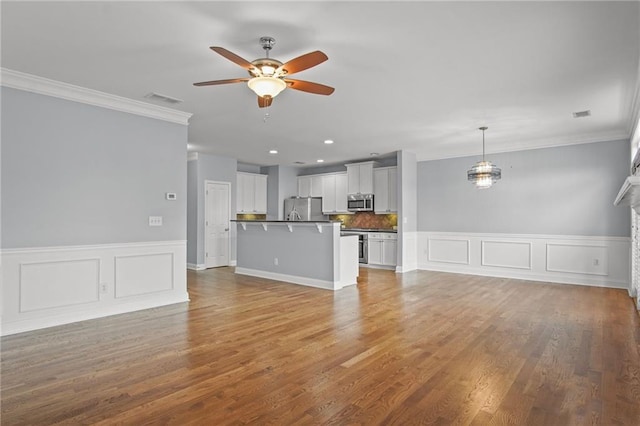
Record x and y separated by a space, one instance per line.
402 349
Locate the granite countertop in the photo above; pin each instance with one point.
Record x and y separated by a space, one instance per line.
368 230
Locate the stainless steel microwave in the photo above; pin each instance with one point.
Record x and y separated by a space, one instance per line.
360 202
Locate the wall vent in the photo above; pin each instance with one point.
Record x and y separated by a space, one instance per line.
580 114
163 98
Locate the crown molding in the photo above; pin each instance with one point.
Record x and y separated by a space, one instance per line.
44 86
539 144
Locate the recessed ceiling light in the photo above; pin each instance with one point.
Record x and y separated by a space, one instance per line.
319 160
299 162
580 114
328 142
273 151
374 154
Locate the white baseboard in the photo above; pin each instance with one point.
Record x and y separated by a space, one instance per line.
49 286
584 260
309 282
21 326
196 267
233 263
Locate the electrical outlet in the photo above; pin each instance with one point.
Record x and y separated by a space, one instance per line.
275 261
596 262
104 288
155 220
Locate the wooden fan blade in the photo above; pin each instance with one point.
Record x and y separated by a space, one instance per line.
233 57
303 62
307 86
264 102
216 82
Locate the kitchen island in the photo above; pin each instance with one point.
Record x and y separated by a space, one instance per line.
307 253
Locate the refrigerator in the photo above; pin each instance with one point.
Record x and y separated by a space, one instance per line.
303 209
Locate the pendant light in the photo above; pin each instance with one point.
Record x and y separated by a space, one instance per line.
484 174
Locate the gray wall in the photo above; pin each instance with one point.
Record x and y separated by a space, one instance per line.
215 168
282 183
305 252
75 174
556 191
273 173
288 184
248 168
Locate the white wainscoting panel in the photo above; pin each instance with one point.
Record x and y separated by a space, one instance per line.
47 286
142 274
595 261
578 259
506 254
448 250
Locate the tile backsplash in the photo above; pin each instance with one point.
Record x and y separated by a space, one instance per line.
251 216
367 220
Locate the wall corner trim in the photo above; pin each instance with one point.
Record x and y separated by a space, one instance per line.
44 86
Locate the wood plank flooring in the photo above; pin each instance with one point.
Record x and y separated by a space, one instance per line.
398 349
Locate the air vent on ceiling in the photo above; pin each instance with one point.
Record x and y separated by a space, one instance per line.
299 162
580 114
162 98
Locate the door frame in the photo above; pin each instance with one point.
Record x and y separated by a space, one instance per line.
206 211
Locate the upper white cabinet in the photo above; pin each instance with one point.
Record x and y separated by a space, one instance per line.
385 192
360 178
310 186
251 194
334 193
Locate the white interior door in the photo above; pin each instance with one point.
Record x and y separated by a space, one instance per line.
217 215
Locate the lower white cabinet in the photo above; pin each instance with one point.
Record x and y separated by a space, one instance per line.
383 247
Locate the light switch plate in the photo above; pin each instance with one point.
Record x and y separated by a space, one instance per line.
155 220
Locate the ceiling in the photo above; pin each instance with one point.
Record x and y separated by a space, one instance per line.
416 76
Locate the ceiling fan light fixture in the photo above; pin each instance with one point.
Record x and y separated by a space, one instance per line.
268 70
267 86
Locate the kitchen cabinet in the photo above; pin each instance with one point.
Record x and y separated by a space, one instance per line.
251 193
385 190
334 193
310 186
383 247
360 178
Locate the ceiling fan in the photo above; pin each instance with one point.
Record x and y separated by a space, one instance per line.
268 76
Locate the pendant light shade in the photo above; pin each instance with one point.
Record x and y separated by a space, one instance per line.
484 174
